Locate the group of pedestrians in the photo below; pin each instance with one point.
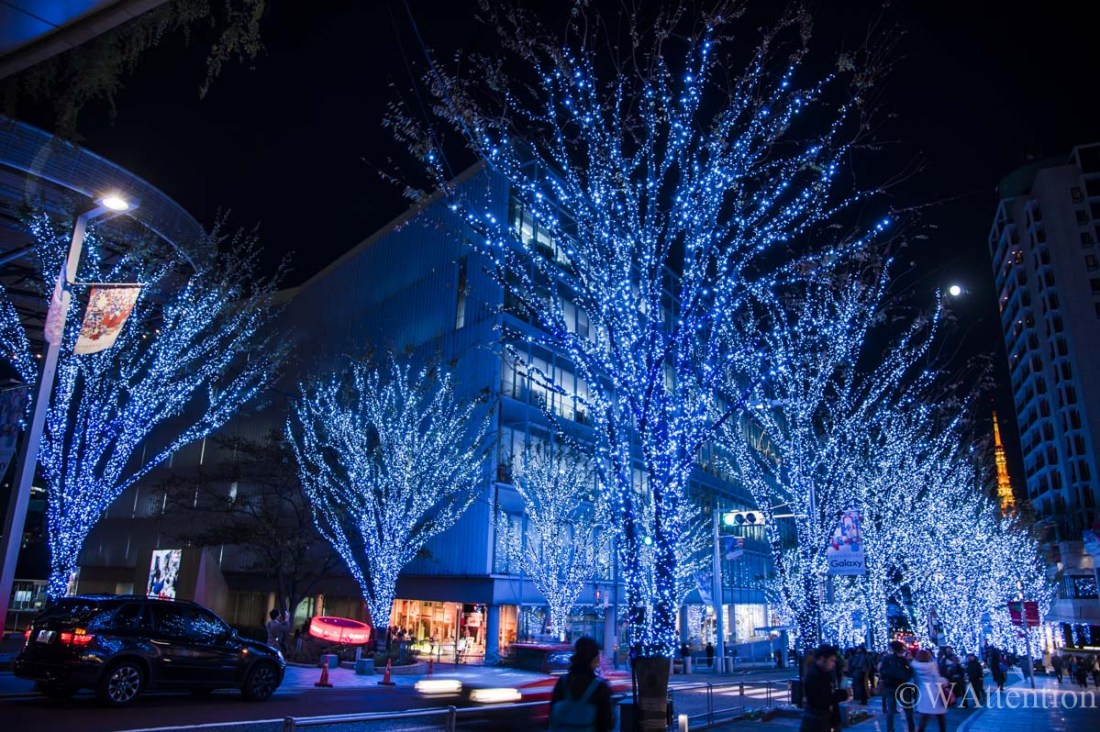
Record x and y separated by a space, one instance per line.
922 686
1077 668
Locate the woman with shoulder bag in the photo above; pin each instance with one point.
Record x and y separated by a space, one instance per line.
581 701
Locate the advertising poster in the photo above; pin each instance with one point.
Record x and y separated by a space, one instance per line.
845 551
164 572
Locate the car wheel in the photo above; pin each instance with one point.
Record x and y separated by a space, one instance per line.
121 683
261 682
57 692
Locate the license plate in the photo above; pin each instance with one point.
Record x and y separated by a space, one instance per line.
44 636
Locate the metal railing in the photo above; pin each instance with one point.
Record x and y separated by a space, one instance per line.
704 704
715 702
448 715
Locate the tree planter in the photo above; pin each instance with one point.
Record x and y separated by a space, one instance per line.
651 674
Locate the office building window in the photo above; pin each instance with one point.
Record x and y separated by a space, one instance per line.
1086 239
1082 216
1094 283
463 288
1091 263
1076 194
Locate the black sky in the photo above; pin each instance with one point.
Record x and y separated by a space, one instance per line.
295 141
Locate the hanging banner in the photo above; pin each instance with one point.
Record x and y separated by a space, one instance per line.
1024 612
59 303
12 404
845 551
108 308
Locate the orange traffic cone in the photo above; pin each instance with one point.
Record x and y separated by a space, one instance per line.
386 679
324 682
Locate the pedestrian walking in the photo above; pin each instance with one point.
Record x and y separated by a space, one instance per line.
581 701
710 654
998 668
956 676
1081 673
1095 672
1056 664
859 663
821 693
931 696
895 677
275 629
975 675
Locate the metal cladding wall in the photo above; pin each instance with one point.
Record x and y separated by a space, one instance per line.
399 291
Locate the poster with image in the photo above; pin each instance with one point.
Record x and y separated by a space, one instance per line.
845 551
164 571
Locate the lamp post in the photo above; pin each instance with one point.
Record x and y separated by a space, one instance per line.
16 516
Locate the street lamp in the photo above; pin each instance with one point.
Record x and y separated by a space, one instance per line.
14 521
955 290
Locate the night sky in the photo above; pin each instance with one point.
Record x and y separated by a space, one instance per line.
294 142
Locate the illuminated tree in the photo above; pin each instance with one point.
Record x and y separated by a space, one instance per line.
13 341
388 460
807 440
567 525
667 185
196 348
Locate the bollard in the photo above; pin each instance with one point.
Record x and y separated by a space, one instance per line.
682 723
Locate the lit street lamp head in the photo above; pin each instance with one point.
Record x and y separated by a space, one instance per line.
116 202
954 290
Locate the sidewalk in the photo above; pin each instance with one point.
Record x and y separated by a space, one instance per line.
1050 708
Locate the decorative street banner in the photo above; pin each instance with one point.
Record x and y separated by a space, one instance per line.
59 302
108 308
845 552
1024 611
12 404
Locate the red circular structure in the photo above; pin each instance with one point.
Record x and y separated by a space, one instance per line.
339 630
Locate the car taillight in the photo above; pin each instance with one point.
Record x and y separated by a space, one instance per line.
78 637
27 636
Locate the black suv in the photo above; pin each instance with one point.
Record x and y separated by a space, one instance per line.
121 645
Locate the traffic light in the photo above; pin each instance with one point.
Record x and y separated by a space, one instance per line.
737 519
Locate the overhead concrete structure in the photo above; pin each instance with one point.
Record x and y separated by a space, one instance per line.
32 31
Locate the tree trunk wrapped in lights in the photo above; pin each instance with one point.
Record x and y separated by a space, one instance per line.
568 525
389 458
668 187
196 348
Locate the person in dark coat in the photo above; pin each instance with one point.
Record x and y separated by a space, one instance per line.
894 674
710 655
574 684
975 676
998 668
956 676
1056 663
858 671
820 690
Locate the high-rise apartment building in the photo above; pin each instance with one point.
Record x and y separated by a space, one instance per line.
1046 263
